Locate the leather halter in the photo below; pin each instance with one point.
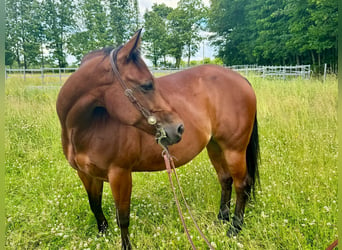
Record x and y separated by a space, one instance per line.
151 119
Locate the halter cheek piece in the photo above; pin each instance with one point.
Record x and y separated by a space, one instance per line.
151 119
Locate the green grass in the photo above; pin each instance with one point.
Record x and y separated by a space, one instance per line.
295 207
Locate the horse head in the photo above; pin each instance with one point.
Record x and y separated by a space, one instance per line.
134 97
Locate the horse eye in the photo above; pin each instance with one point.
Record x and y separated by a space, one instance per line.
147 86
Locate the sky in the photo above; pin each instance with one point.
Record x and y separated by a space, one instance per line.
147 4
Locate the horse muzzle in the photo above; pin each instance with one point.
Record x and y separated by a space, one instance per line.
169 134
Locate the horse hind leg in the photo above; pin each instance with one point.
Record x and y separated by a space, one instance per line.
217 159
231 168
94 189
237 166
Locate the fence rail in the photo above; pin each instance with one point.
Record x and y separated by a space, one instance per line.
283 72
42 73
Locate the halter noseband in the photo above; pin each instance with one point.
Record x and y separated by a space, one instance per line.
151 119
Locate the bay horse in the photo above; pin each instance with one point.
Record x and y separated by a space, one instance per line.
112 110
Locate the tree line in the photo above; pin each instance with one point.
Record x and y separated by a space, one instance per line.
43 32
275 32
264 32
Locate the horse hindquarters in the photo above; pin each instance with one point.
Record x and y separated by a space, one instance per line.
239 168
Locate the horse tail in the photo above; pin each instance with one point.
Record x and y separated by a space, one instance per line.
252 157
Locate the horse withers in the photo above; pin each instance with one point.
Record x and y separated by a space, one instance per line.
112 110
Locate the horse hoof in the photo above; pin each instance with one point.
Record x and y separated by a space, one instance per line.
233 231
103 227
223 218
126 247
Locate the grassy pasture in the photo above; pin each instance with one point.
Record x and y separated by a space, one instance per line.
295 207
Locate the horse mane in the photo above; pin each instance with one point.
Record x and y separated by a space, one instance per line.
104 51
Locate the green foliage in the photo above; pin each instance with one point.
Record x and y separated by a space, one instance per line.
22 32
95 33
275 32
207 60
187 20
60 22
123 20
295 207
43 32
174 32
272 32
156 32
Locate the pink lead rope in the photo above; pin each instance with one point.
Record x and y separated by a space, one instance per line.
170 166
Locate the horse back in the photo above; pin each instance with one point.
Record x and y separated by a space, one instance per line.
214 100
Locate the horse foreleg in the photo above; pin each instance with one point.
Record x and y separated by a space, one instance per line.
120 181
94 189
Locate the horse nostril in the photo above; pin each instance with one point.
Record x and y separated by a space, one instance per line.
180 129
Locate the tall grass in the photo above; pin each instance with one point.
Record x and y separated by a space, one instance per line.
295 206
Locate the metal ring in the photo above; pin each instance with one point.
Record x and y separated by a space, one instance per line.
128 92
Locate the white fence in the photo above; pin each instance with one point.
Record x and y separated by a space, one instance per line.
283 72
43 73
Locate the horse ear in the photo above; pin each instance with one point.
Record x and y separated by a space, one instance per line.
132 47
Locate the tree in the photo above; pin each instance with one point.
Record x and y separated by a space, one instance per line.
235 35
323 29
92 31
274 32
156 32
59 26
12 42
124 19
187 20
175 39
21 34
9 54
313 28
